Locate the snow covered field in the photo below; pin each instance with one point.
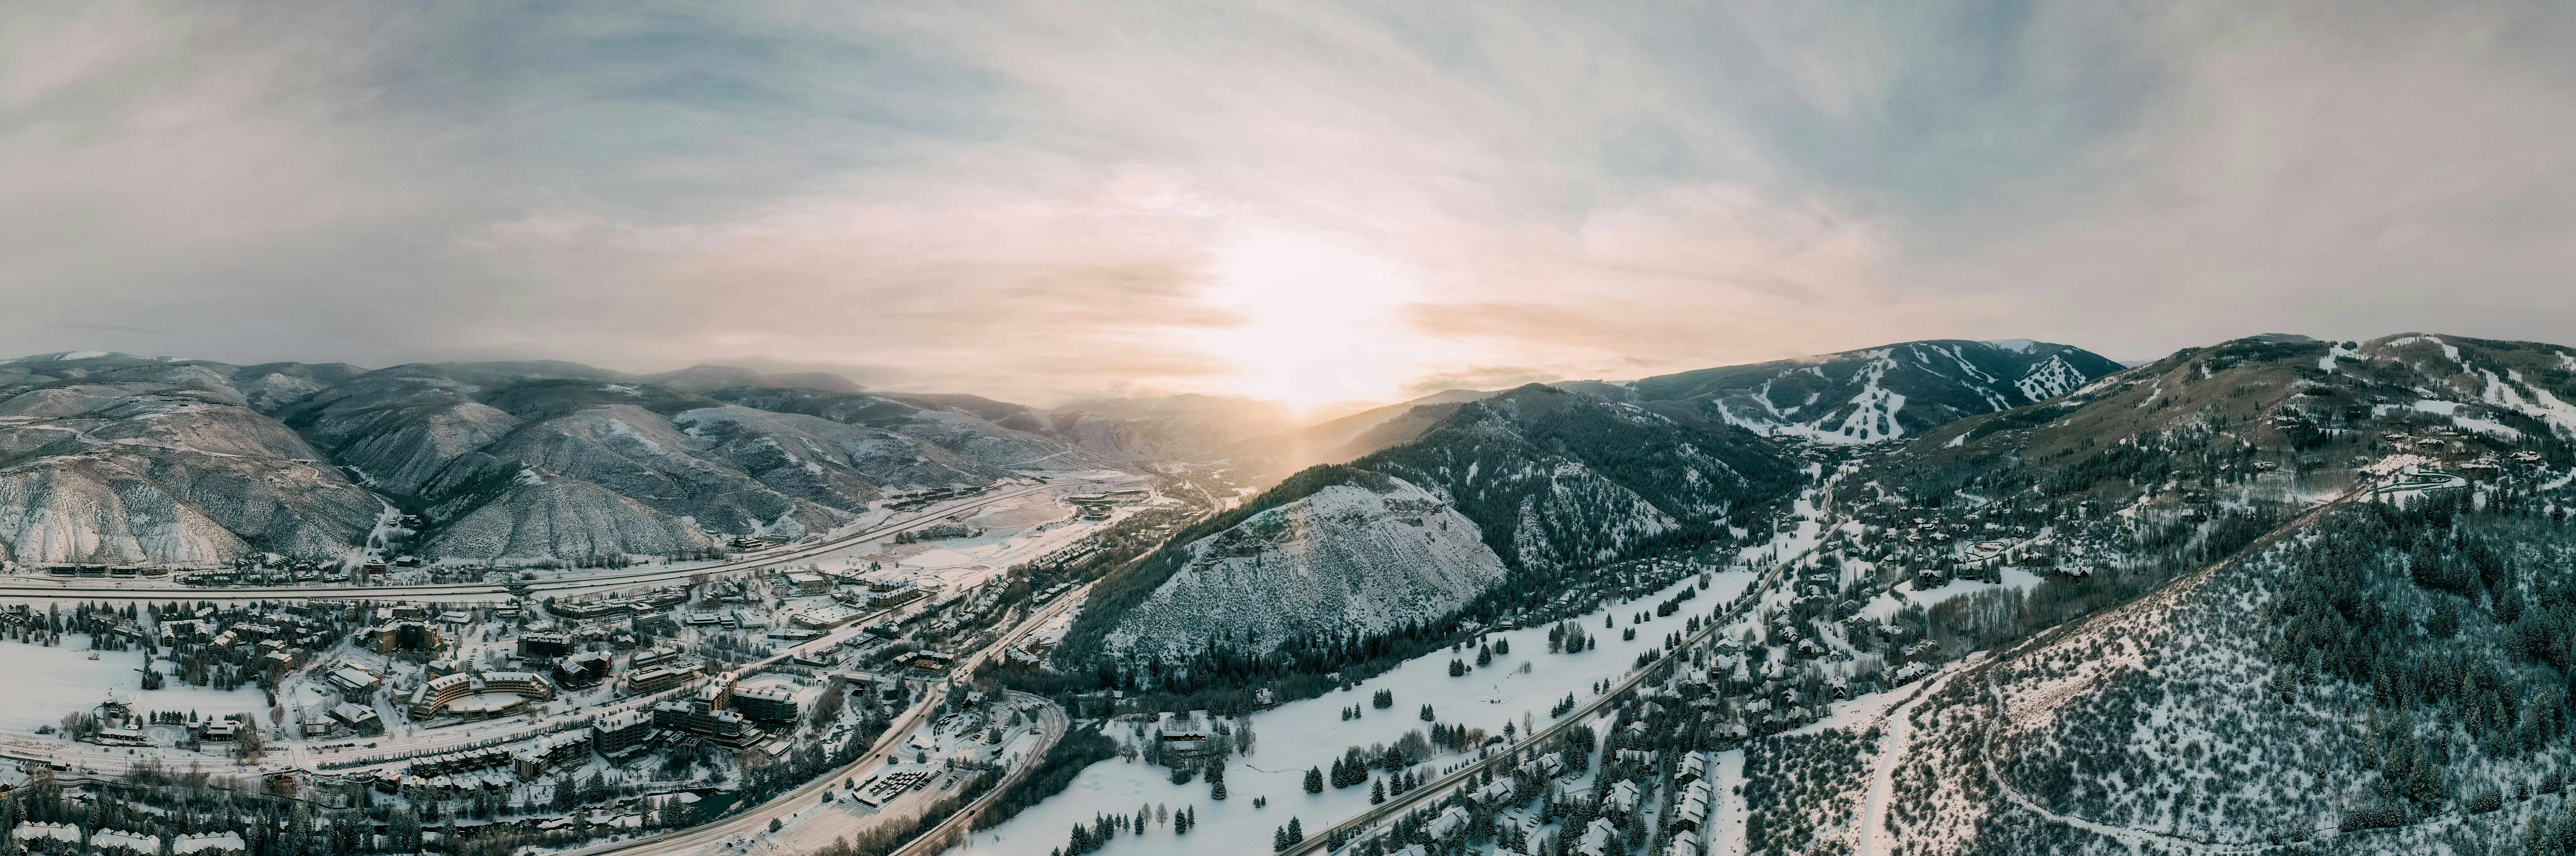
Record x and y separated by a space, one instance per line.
1886 605
1311 733
46 682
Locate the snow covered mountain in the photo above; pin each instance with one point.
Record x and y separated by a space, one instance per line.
120 459
1558 479
1350 437
2283 391
995 433
111 459
1368 551
1877 394
1549 481
2282 651
1872 395
1205 421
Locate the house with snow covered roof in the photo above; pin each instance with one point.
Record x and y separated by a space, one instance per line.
1449 823
1596 838
210 844
114 841
34 830
1694 766
1692 812
1624 794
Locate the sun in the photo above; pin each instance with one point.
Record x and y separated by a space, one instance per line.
1320 319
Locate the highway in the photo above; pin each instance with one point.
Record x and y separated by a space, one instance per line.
25 587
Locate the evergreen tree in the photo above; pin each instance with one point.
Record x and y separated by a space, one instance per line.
1315 778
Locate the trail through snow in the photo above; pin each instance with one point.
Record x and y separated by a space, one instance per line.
1891 751
1727 828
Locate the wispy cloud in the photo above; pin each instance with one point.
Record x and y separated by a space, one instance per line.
1048 198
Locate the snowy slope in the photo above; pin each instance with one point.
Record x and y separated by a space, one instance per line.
113 458
120 460
1879 394
1347 557
1542 481
1560 480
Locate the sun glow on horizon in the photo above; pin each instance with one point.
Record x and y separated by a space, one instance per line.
1320 325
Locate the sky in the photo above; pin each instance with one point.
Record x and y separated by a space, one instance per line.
1304 201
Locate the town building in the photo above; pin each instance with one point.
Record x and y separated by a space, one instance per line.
654 679
359 718
582 671
408 636
549 751
545 645
449 692
622 732
766 704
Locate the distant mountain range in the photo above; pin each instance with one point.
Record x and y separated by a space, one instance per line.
1575 475
112 458
1872 395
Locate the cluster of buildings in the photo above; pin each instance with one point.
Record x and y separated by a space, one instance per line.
275 641
42 837
704 715
1099 506
614 605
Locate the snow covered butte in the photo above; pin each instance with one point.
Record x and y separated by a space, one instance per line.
1349 556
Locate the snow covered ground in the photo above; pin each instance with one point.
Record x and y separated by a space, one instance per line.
1311 733
46 682
1886 604
1014 532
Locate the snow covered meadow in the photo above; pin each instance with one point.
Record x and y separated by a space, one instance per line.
1309 734
46 682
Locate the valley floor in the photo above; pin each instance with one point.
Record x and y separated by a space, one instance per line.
1301 735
